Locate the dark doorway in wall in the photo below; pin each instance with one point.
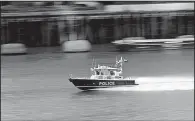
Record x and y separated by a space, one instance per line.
133 28
108 25
28 33
147 28
34 34
12 28
55 36
95 25
159 27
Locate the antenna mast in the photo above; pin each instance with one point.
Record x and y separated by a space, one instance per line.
93 63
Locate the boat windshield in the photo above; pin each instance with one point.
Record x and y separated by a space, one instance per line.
97 72
106 72
111 73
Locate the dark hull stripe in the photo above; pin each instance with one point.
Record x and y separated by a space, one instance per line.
87 84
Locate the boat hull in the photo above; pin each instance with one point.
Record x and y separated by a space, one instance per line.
89 84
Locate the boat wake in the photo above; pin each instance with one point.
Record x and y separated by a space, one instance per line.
158 84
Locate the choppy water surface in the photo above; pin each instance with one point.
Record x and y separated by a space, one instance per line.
37 87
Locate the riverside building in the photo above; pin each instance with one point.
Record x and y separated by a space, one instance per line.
51 26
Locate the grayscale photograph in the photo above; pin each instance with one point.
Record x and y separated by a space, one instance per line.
97 60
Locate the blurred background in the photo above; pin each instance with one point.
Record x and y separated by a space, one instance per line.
52 23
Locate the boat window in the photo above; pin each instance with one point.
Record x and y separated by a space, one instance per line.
111 73
97 72
109 77
118 77
100 77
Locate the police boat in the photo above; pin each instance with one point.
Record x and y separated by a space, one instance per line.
104 77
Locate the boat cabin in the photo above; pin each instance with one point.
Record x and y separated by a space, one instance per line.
104 72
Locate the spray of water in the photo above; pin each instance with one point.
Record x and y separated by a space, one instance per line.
158 84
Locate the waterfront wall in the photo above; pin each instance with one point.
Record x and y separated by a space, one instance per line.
98 28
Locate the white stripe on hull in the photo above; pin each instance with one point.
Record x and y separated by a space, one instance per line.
106 86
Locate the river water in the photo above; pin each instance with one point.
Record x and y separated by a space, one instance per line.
36 87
